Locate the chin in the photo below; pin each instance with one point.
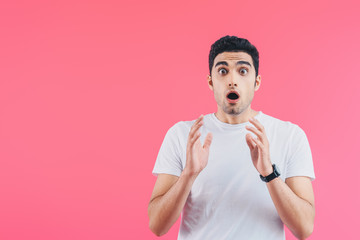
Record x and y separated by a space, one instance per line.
232 111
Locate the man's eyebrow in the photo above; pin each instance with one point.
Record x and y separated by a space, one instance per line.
221 63
237 63
243 62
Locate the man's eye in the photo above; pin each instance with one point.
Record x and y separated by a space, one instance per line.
222 71
243 71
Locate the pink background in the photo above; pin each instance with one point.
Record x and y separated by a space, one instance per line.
88 90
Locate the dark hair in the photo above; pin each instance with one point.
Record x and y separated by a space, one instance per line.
233 44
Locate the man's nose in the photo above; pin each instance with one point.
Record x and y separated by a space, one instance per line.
232 81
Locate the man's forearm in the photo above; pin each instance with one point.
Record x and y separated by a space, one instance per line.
165 210
296 213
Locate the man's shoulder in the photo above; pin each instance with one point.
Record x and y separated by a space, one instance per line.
186 124
181 127
281 125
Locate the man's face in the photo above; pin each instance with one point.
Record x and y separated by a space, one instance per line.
233 71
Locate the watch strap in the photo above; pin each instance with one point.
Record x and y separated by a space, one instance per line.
271 176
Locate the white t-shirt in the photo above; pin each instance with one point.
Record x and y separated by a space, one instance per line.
228 200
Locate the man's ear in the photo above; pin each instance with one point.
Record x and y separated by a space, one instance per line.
257 82
210 82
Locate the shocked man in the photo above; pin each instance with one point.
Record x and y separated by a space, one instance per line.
237 173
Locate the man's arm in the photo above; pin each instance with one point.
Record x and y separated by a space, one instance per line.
294 202
170 192
168 200
294 198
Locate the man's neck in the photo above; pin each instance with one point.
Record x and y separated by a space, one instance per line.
236 119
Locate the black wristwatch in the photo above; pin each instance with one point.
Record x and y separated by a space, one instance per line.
273 175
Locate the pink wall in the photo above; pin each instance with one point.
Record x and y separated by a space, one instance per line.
88 90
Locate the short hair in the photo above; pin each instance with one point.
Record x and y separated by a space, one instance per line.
233 44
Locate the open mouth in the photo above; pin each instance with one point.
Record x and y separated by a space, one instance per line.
233 96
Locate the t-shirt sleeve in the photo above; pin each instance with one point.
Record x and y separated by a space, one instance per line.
300 161
169 156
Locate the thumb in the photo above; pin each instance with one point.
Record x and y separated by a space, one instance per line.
208 140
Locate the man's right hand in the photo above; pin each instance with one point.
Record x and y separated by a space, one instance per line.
170 192
197 155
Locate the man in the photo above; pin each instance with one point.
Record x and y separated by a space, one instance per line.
237 173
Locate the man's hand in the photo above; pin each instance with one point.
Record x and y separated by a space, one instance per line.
196 155
171 192
293 199
259 148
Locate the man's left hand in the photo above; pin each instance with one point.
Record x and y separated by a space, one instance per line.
259 148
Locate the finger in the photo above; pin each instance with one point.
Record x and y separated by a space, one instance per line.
208 140
196 129
257 124
259 134
195 138
197 124
250 141
258 143
198 119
